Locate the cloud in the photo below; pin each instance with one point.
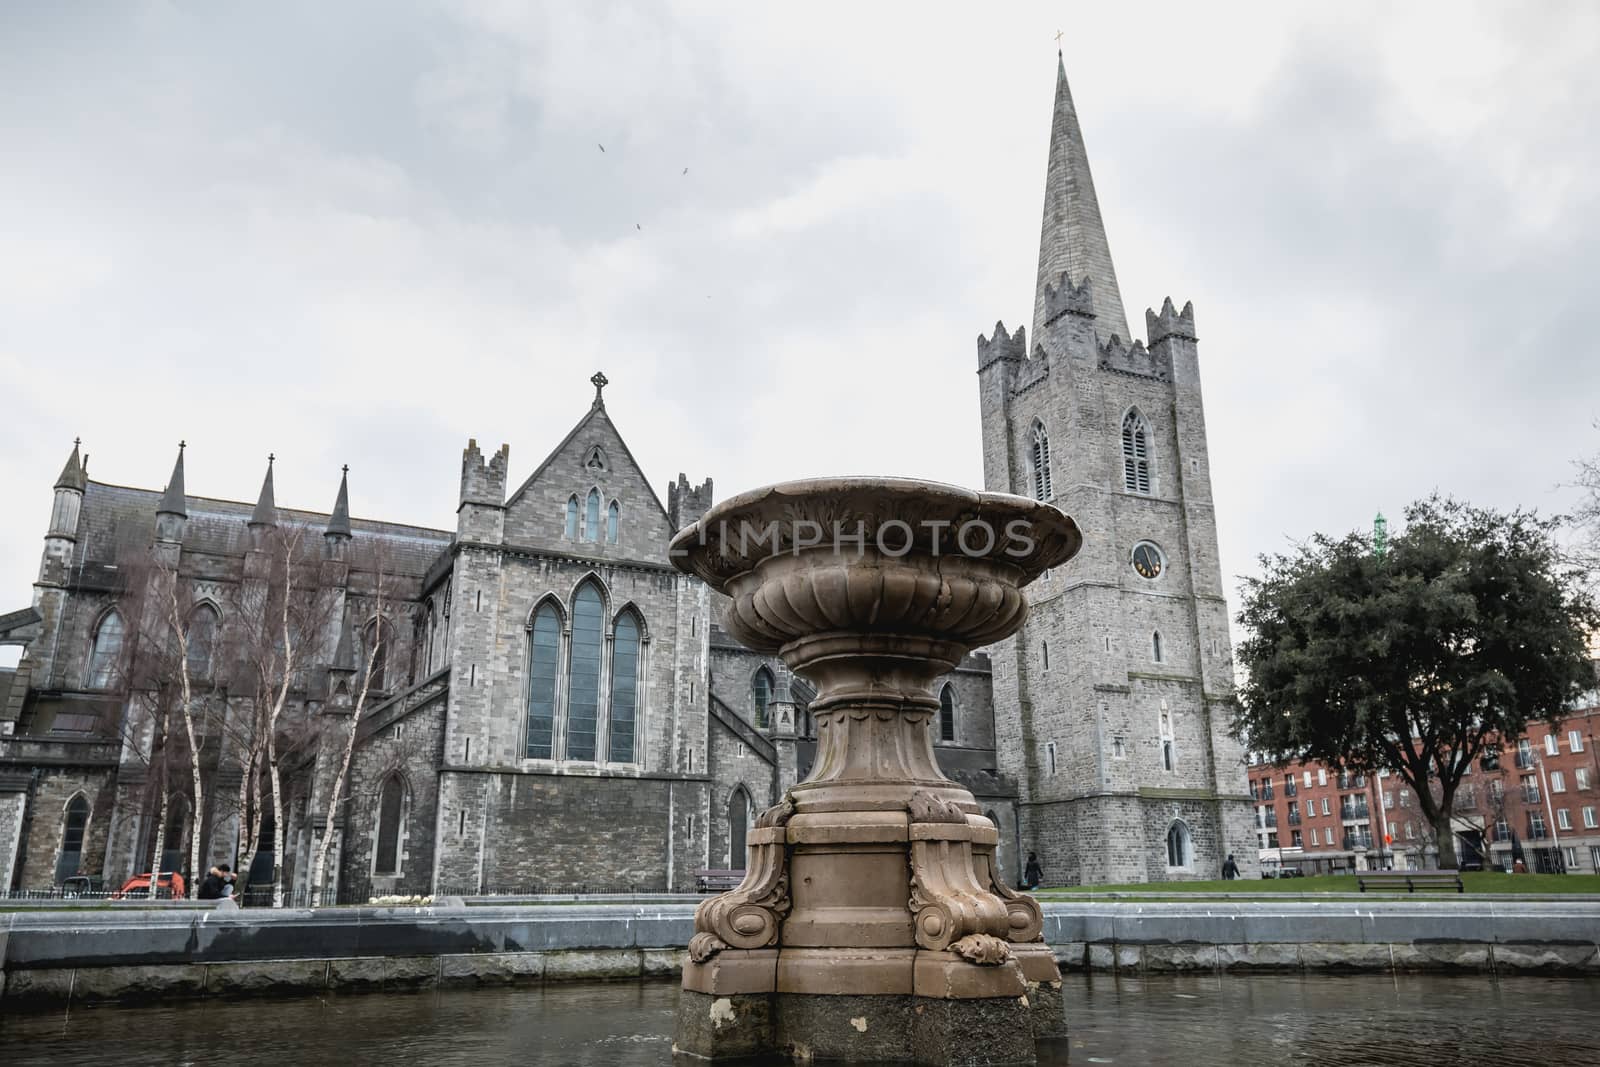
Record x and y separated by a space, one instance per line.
365 234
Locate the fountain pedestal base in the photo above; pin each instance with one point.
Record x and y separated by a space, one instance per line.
861 1028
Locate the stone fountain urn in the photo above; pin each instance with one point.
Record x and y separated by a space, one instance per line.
872 924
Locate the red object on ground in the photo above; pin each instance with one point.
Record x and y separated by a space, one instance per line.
171 881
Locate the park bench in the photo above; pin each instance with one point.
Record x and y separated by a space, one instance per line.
1411 880
716 881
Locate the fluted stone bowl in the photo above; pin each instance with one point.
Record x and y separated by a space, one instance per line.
837 566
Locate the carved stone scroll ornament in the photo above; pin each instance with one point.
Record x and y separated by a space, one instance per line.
748 916
1024 917
950 909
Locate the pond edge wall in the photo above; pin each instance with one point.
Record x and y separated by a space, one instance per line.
55 956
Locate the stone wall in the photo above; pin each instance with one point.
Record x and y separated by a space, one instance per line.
542 829
49 957
46 819
410 747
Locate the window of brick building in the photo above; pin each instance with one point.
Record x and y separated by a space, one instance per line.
1552 747
1588 818
1563 819
1580 778
1575 740
1558 782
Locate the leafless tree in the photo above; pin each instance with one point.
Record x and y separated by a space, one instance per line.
284 621
378 560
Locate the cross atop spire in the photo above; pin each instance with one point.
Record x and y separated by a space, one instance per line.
599 381
1072 239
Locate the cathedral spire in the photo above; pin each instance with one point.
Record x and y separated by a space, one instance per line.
339 521
172 500
1073 237
72 475
266 513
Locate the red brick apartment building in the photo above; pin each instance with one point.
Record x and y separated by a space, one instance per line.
1542 791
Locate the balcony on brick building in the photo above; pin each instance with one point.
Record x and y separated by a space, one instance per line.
1267 820
1355 840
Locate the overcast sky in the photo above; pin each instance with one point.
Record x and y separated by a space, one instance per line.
364 232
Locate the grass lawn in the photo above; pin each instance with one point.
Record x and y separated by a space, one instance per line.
1476 882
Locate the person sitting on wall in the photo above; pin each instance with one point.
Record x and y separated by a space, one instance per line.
211 884
1230 869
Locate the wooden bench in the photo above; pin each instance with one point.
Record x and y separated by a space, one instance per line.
716 881
1412 880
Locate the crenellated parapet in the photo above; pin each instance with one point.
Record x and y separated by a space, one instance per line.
1032 371
1064 298
484 481
1169 322
1136 359
686 502
1012 347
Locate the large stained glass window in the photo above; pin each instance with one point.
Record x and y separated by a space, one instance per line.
583 684
624 689
544 662
106 651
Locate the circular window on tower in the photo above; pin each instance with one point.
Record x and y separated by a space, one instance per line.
1147 560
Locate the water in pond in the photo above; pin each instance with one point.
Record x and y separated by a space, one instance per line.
1192 1022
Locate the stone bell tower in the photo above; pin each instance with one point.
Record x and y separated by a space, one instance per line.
1111 701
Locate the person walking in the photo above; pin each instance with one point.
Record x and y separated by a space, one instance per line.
1032 874
1230 869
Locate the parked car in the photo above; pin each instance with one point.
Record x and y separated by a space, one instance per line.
171 887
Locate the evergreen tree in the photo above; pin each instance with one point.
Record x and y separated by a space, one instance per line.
1416 658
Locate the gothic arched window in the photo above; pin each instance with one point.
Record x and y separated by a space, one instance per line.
1179 849
1135 452
202 640
613 517
591 516
738 825
947 713
73 822
1041 461
375 642
624 688
761 696
544 659
583 675
105 651
572 517
391 815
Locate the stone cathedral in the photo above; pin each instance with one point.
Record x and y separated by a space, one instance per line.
552 706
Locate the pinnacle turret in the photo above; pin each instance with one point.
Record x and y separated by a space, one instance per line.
172 501
266 513
339 521
73 476
1072 239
